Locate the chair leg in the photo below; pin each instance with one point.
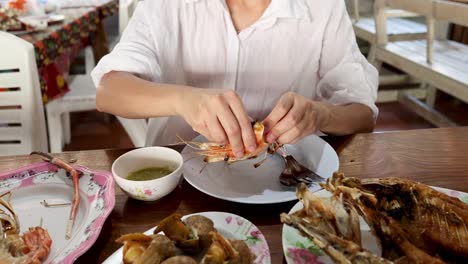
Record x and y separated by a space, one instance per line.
372 57
431 95
66 127
54 125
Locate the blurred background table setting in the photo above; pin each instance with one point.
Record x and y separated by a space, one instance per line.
59 31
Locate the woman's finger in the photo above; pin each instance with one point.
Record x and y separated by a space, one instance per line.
202 130
248 136
280 110
230 126
291 121
307 126
291 136
215 129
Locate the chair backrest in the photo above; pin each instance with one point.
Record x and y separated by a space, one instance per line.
126 9
422 7
22 122
358 6
432 9
451 11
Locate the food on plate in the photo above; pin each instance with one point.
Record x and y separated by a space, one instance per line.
150 173
340 250
333 215
215 152
202 226
75 175
413 222
174 228
159 249
180 260
193 240
31 247
245 255
220 250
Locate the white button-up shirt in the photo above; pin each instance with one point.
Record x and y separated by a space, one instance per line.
304 46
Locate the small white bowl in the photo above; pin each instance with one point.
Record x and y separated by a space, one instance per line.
138 159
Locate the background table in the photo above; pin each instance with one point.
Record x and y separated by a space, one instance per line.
435 156
57 46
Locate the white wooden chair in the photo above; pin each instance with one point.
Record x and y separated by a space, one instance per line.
441 63
22 122
82 97
398 28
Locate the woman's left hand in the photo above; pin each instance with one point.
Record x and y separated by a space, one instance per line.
293 118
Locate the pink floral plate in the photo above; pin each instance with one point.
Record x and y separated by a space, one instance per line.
300 250
230 226
31 185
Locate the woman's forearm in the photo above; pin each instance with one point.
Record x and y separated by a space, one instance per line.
348 119
125 95
218 114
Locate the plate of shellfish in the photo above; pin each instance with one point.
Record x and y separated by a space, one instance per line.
208 237
382 220
52 212
255 179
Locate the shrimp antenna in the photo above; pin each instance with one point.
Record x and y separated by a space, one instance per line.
191 158
204 166
190 144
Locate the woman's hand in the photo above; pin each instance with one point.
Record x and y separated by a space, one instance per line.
293 118
220 116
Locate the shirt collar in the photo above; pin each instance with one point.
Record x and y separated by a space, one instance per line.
281 9
288 9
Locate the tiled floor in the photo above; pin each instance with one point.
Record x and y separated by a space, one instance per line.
93 130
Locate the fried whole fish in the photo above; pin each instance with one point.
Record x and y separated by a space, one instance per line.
413 222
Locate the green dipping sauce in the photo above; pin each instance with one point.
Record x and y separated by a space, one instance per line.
150 173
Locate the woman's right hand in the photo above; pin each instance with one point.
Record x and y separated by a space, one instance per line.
220 116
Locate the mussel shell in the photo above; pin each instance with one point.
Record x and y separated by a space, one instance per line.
191 246
245 254
179 260
202 226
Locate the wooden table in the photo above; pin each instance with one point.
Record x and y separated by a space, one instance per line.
434 156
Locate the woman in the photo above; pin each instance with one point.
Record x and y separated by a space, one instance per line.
212 66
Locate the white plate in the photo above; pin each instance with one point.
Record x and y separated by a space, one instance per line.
231 227
241 182
41 21
299 249
32 184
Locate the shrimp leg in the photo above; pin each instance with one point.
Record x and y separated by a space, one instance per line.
75 177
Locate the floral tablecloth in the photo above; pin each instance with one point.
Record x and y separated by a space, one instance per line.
58 45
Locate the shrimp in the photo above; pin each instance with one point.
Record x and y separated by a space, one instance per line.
214 152
32 247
